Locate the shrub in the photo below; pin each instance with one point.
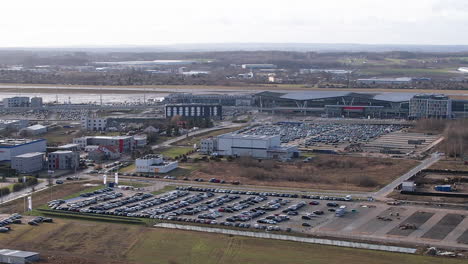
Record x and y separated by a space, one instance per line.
18 187
4 191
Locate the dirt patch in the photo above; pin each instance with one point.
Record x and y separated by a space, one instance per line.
332 172
455 165
104 244
444 226
416 219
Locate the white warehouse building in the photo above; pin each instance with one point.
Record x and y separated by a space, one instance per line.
13 147
28 162
154 164
256 146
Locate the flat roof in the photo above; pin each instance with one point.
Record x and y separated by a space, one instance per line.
62 152
29 155
14 142
35 127
71 145
17 253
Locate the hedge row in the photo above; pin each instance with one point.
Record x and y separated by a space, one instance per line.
30 181
4 191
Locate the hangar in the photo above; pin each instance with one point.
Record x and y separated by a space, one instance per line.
337 103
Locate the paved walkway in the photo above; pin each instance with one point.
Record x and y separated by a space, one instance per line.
390 187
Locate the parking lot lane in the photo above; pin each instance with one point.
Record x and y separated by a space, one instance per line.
424 228
340 223
457 231
374 212
394 224
387 217
411 224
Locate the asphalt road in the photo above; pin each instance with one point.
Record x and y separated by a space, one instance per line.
390 187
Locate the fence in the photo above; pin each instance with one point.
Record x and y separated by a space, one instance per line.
290 238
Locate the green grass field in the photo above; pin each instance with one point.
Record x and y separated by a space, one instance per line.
107 242
173 152
190 141
129 168
174 246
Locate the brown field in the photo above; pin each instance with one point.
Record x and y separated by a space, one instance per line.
174 88
450 165
42 197
85 242
330 172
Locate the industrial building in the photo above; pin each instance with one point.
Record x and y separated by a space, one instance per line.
121 143
391 81
221 99
17 256
13 124
154 164
336 103
16 101
256 146
28 162
93 123
430 106
258 66
13 147
194 111
63 160
35 130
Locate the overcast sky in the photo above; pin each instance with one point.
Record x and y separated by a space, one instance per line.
153 22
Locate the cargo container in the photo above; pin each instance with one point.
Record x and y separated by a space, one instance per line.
443 188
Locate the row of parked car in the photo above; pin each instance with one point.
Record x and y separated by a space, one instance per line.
96 192
323 133
76 206
273 194
12 219
37 220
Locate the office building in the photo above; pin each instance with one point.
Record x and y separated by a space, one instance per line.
16 102
194 111
36 102
121 143
63 160
28 162
93 123
430 106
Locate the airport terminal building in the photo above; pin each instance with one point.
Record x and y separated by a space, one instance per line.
337 103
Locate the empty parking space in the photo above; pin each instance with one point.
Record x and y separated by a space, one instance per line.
411 224
440 230
388 216
463 239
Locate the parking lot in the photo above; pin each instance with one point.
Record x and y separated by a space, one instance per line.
317 134
280 212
